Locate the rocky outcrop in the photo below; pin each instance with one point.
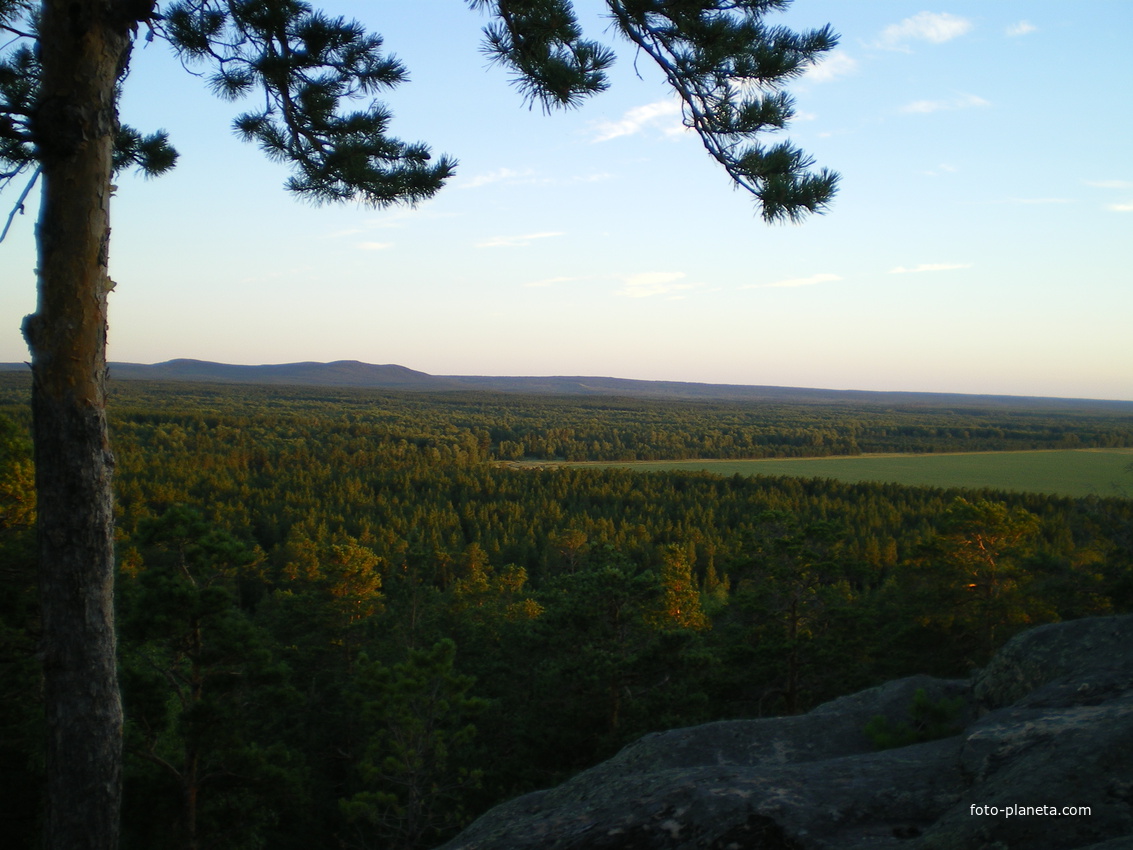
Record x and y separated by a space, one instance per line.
1047 724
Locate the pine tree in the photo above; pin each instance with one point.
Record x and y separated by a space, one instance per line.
680 599
981 545
415 770
60 70
201 686
21 709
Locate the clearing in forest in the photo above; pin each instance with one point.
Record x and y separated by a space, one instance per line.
1071 472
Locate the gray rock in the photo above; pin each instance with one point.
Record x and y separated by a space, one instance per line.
1041 655
1056 730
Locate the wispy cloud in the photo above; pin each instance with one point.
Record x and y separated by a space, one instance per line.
960 101
1041 201
1021 28
294 273
1110 184
661 114
516 241
648 284
497 176
551 281
930 267
528 176
596 177
1114 184
934 27
836 63
391 220
398 217
813 280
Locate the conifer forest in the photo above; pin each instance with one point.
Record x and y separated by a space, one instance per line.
347 618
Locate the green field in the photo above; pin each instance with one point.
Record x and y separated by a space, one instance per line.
1078 472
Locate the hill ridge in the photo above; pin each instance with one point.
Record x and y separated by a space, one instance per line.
362 375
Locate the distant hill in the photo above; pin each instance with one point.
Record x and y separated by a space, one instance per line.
353 373
341 373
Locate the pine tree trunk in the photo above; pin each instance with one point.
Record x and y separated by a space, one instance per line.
82 51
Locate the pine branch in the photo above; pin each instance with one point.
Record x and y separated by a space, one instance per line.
726 67
309 67
542 42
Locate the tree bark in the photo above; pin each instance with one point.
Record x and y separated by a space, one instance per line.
83 50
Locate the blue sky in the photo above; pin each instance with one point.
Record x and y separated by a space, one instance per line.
982 240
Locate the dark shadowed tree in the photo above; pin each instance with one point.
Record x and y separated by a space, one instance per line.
201 689
20 709
791 583
980 550
313 78
415 769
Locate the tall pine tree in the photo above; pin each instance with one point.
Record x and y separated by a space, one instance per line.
312 75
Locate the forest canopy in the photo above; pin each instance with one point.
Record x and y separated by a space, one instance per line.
345 620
